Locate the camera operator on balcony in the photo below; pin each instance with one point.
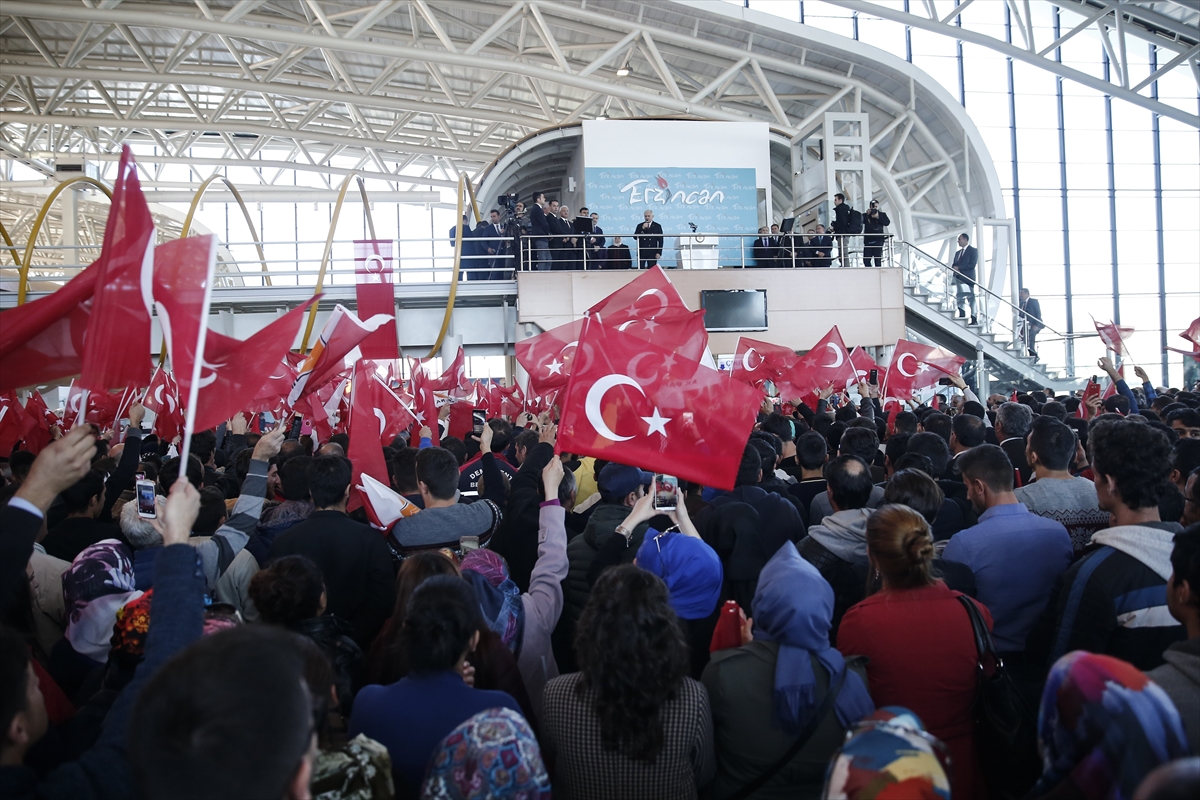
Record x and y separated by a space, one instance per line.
873 238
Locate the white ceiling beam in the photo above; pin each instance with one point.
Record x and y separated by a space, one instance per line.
498 27
610 53
660 66
548 37
433 23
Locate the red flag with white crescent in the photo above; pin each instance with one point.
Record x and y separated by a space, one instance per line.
918 366
756 362
636 403
827 362
547 357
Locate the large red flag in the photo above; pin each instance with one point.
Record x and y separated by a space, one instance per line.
182 279
375 294
827 362
235 369
650 295
682 333
547 357
425 404
39 435
757 362
272 396
367 423
918 366
633 402
1113 336
116 350
335 351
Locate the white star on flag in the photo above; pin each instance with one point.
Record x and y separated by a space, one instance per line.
656 422
555 367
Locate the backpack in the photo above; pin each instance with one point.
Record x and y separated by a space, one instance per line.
856 223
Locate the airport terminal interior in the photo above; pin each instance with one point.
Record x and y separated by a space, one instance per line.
1005 194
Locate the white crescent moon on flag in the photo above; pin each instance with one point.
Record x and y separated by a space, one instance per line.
627 323
633 369
837 352
662 300
746 360
900 365
382 420
563 351
595 397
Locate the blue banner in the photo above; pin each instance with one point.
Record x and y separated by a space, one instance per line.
715 201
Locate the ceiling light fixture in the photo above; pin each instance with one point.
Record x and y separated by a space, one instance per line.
623 72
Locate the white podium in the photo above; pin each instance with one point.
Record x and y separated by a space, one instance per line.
699 255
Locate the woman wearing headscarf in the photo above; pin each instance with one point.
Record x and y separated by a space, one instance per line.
690 569
631 723
492 755
767 693
919 639
98 583
889 754
525 621
1103 727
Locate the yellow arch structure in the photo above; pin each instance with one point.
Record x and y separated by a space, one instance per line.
337 212
12 248
23 285
187 221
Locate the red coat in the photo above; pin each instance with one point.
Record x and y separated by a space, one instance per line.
923 657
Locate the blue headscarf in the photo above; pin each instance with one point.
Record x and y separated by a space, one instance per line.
499 598
690 569
794 607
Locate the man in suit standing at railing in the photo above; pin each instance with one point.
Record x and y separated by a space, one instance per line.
496 247
539 229
873 240
1031 320
964 276
649 237
820 248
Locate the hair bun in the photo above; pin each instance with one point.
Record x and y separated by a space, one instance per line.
919 548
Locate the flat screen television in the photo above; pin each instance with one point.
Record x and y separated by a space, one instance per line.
734 309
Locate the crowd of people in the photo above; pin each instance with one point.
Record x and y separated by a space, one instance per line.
996 599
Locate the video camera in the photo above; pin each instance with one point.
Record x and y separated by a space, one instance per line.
508 202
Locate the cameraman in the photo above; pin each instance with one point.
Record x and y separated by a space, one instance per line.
873 242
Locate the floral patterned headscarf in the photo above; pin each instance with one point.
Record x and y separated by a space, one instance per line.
492 755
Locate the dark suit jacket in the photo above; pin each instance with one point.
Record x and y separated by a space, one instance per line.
18 530
356 564
1015 450
649 239
1034 309
619 257
965 261
822 243
538 223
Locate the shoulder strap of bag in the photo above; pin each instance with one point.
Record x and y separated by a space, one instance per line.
985 647
810 727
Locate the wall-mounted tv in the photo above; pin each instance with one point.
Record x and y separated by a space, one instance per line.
734 309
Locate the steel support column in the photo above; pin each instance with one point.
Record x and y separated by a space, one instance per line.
1158 215
1066 219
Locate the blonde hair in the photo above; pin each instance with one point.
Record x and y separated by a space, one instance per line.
901 544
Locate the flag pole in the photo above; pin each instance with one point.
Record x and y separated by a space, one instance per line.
197 366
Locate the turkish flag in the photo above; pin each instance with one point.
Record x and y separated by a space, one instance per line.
375 294
272 396
636 403
547 357
453 378
863 364
102 407
650 295
335 351
827 362
162 397
367 423
757 362
918 366
682 333
182 279
425 405
15 422
117 346
1113 336
39 435
235 369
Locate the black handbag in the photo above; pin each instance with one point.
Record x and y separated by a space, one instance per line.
1005 726
810 727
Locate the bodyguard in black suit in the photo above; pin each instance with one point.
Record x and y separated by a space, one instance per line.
649 236
539 228
1031 321
873 239
760 249
964 276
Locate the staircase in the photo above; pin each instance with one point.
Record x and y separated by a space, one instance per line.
929 305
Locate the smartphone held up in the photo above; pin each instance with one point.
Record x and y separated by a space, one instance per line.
666 488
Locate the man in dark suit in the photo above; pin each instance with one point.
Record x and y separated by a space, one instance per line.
596 251
820 248
1031 320
964 276
618 256
359 580
873 240
649 236
495 246
1013 422
761 249
539 229
778 256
